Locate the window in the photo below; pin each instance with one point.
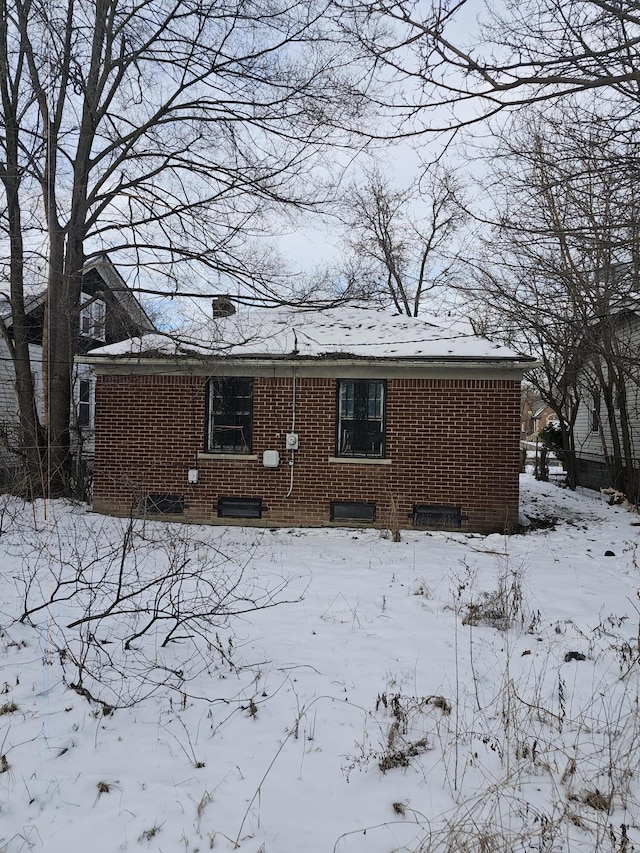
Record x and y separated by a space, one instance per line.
429 515
84 402
84 395
164 504
240 508
594 414
230 404
352 511
360 417
92 317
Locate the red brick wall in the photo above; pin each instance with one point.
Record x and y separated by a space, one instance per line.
450 441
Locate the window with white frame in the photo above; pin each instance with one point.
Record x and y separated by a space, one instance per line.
84 403
361 417
93 314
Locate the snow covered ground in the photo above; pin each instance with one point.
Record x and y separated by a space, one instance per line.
383 705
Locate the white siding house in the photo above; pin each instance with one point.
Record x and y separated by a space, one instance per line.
596 451
110 313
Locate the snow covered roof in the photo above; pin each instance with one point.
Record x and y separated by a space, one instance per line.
345 331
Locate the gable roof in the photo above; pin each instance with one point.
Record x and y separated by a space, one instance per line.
114 282
340 332
31 304
121 292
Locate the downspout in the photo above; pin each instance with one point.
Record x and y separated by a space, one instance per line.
292 460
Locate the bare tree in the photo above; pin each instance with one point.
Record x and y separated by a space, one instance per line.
572 220
401 240
550 277
167 133
468 66
528 309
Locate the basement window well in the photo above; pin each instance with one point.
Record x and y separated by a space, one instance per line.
434 515
164 504
353 511
240 508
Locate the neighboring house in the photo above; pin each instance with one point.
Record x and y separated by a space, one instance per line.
603 462
534 414
282 417
110 312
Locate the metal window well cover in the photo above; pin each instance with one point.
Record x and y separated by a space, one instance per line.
427 515
352 511
164 504
240 507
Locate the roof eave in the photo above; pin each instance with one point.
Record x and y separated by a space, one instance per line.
203 364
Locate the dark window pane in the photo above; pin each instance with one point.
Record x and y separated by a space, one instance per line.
240 508
361 418
164 504
230 414
352 511
595 414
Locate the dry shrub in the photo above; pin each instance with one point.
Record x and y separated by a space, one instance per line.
503 608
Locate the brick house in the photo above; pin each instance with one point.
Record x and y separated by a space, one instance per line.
535 414
281 417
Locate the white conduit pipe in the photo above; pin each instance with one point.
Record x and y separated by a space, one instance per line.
292 461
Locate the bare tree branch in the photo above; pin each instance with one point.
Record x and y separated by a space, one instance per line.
167 132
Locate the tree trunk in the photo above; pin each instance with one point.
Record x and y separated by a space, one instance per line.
57 357
31 447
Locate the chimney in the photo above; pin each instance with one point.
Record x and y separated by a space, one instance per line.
222 306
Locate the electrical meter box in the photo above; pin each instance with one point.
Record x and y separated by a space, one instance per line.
292 441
